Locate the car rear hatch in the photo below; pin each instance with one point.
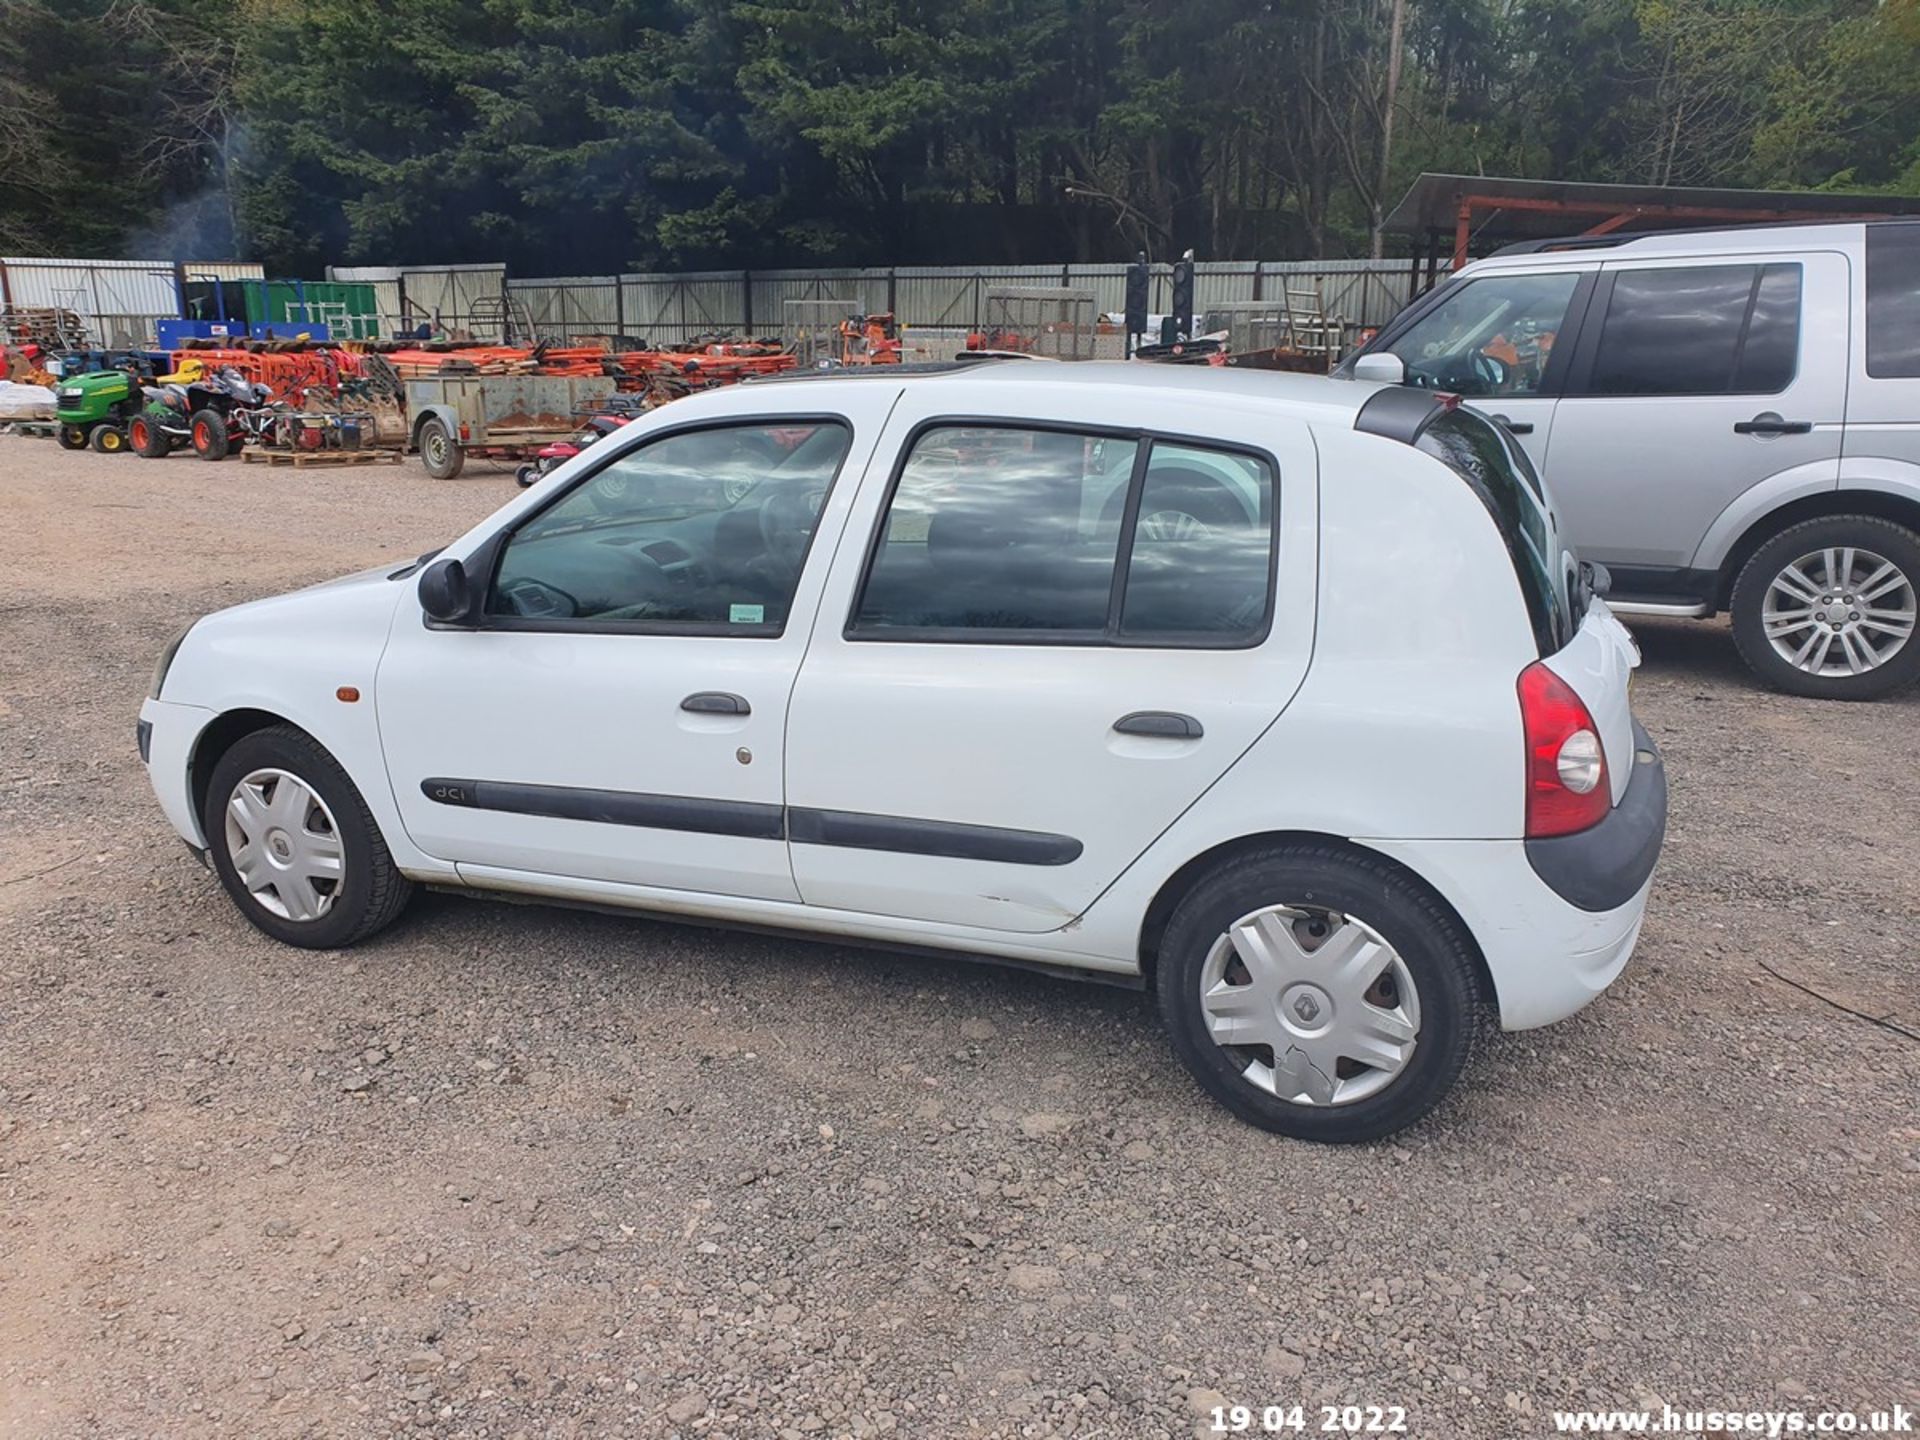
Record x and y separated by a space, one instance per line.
1578 637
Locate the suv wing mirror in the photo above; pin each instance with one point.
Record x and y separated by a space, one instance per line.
1381 365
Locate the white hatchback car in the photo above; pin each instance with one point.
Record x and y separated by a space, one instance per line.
1280 695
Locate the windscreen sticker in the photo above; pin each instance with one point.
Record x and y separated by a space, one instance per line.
746 614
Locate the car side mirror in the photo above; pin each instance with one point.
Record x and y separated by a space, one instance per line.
445 592
1381 365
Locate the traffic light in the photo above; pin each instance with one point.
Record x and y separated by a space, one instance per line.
1137 287
1183 296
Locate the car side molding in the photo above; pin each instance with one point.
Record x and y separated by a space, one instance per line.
752 820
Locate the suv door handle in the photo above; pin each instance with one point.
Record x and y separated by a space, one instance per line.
1160 724
1512 427
1768 423
716 702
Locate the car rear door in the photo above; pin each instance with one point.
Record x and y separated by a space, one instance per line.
1694 381
1045 635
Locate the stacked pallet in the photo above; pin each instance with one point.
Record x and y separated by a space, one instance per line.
563 361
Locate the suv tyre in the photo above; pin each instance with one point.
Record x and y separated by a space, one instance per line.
1827 608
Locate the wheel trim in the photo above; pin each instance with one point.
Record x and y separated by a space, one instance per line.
1839 611
284 845
1163 525
1315 1020
202 435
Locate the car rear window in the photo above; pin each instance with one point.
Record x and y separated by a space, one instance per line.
1700 330
1893 301
1501 475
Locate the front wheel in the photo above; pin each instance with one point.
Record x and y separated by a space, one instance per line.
1827 609
295 845
207 432
73 437
108 438
1318 993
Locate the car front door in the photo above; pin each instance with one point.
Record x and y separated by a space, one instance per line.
1497 339
1692 383
618 711
1042 640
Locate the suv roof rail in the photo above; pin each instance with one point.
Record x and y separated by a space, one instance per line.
1628 237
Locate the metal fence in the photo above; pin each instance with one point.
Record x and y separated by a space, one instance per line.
118 301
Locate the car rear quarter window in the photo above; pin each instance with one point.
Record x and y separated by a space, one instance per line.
1893 302
1699 330
1498 473
1016 534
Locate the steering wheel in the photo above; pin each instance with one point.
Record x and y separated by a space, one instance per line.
1490 370
787 516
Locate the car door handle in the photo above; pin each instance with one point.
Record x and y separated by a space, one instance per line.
1160 724
1770 424
1513 427
716 702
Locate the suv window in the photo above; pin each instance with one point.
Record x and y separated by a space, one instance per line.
1500 474
701 530
1015 534
1492 336
1893 301
1700 330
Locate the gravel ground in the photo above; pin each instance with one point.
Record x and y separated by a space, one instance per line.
511 1170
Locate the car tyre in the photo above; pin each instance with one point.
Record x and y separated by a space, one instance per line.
108 439
1418 1015
282 841
1826 559
207 431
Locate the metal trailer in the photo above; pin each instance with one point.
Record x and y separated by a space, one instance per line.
496 417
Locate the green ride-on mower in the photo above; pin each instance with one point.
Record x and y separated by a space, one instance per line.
93 410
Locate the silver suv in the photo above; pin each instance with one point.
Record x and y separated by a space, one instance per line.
1729 420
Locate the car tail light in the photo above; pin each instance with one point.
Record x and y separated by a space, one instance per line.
1567 787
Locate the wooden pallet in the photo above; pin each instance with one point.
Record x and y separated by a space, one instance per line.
298 458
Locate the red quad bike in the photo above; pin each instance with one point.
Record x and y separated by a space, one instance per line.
550 457
204 413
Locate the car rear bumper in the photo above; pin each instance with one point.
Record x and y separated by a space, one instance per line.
1602 868
1547 957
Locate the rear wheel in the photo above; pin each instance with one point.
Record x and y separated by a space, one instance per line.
147 439
73 437
108 438
207 432
295 845
438 452
1827 609
1318 993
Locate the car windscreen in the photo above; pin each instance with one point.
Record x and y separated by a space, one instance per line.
1495 471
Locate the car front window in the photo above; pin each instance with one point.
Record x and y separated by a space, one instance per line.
705 528
1491 337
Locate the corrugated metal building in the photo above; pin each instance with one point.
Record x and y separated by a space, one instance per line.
117 301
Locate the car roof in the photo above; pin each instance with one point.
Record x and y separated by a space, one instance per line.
985 386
